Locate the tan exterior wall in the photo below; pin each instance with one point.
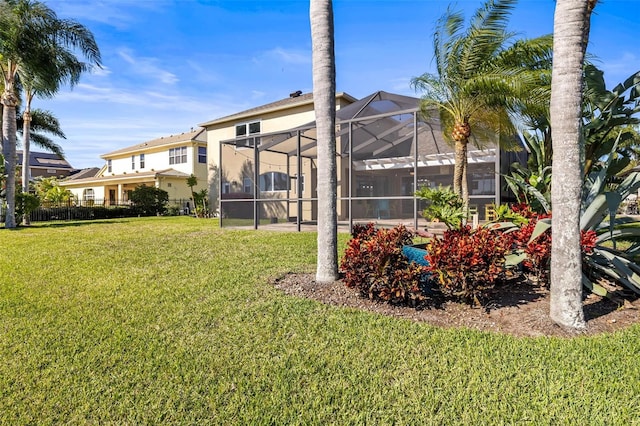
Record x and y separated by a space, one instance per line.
270 122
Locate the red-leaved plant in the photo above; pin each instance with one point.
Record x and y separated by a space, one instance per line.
466 263
373 263
538 251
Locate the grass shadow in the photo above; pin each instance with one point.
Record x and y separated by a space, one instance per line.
50 225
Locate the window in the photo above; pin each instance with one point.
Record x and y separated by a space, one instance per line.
274 181
178 155
109 168
248 129
202 154
226 187
142 161
88 194
301 184
133 162
246 185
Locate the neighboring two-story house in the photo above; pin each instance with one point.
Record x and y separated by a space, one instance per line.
46 164
165 163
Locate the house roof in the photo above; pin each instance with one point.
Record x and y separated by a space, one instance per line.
381 127
84 173
143 176
45 160
162 141
291 101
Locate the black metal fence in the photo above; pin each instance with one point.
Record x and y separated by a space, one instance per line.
93 210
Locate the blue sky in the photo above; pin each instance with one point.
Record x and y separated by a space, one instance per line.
169 65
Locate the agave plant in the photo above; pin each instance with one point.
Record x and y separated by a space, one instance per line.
601 201
608 132
532 184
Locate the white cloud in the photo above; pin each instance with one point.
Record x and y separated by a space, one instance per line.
293 56
103 71
147 67
116 13
202 74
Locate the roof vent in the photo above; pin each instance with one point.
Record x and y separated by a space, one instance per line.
295 94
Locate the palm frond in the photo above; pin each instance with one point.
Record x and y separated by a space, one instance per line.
486 36
46 143
45 121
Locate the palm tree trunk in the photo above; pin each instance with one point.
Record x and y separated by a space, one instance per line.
26 175
9 102
460 183
570 22
465 183
324 92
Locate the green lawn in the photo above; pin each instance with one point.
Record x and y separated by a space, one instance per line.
172 321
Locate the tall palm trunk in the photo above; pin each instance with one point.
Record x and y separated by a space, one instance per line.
460 134
9 103
460 183
324 98
570 40
26 170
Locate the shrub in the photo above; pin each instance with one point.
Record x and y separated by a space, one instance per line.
149 200
173 210
373 263
467 263
444 206
25 204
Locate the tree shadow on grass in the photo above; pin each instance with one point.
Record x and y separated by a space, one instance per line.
38 225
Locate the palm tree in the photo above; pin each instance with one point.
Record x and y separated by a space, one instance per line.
192 181
43 123
571 34
324 98
37 47
481 79
34 120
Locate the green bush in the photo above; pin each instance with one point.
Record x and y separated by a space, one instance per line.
25 204
149 200
444 206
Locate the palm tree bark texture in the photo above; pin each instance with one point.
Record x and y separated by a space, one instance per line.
324 98
571 26
9 103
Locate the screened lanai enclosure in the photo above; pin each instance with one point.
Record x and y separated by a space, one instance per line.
385 150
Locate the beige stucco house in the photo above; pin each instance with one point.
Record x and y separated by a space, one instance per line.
165 163
232 141
266 159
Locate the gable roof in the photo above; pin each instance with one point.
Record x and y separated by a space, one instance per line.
89 172
165 140
282 104
132 177
45 160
